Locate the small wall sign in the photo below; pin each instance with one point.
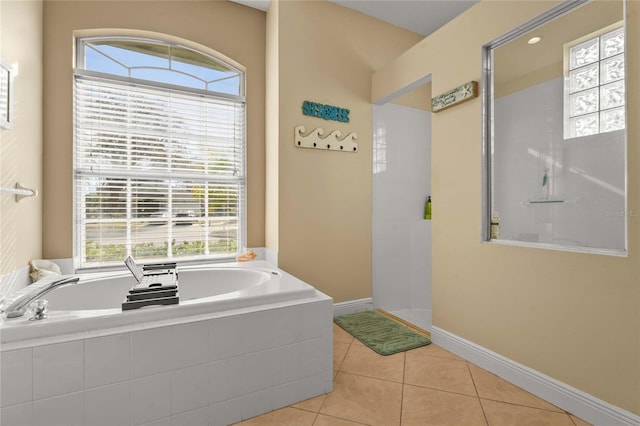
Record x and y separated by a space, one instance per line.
327 112
460 94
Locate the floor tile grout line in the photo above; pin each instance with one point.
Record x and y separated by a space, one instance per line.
404 366
340 370
526 406
512 403
515 403
568 414
326 395
344 418
434 356
302 409
571 418
442 390
372 377
473 380
344 357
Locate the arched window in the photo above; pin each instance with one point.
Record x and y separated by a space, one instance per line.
159 140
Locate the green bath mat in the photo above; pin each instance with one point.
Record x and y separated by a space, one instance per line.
381 334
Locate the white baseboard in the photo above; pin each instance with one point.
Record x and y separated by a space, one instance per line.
560 394
351 306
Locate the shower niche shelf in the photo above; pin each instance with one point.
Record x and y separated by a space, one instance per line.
550 201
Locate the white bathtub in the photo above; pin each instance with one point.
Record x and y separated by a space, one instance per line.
245 339
95 302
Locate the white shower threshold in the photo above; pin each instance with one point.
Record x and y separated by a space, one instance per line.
419 317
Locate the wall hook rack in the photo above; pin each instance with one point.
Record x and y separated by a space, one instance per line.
331 142
19 191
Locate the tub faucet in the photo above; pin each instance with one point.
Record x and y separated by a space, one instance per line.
36 290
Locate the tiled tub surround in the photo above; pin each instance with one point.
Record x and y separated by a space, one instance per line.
215 368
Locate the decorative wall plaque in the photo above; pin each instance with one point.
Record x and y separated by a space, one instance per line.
460 94
327 112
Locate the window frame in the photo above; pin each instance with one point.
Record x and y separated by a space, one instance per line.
79 71
488 124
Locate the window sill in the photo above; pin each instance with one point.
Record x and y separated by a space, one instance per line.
559 247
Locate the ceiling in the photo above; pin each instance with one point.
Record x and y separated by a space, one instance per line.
420 16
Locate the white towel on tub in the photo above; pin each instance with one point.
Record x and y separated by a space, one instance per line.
41 268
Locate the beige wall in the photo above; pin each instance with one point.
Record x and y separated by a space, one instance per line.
572 316
327 54
21 146
419 98
234 30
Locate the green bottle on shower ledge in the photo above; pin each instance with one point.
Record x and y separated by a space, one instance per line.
427 208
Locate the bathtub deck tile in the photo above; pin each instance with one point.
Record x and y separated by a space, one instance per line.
197 417
61 410
226 412
257 371
317 316
58 369
190 344
150 398
107 360
257 403
312 386
17 415
190 389
16 377
287 322
225 380
315 356
108 405
150 352
160 422
286 364
257 331
286 394
225 337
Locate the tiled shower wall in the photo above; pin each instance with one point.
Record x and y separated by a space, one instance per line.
210 372
586 174
401 235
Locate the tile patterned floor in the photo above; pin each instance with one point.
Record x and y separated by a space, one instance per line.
424 386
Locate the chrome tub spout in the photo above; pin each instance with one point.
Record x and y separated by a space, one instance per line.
38 289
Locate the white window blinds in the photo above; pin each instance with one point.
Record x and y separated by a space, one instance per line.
158 173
